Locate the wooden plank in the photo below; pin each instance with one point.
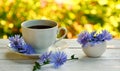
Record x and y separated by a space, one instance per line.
6 54
110 53
3 43
16 65
72 43
74 48
83 64
114 43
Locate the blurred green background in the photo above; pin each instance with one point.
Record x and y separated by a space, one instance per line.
75 15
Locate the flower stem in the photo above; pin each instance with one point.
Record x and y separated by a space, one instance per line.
38 65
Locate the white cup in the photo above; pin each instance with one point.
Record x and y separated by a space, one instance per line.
41 39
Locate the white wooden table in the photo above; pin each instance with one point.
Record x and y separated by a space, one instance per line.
109 61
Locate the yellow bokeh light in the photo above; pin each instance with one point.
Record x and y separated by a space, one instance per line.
118 6
88 27
107 26
71 15
11 25
44 18
69 35
93 11
103 2
113 21
5 36
37 4
3 22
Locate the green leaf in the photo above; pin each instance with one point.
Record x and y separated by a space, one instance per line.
37 66
73 57
47 62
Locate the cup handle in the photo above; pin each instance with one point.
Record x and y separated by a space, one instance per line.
58 39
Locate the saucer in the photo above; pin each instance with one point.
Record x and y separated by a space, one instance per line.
61 45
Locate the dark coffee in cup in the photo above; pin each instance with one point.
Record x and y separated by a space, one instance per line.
40 27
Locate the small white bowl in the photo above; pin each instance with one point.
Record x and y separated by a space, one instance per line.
95 51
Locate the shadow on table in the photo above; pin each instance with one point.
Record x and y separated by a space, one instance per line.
21 58
31 59
85 59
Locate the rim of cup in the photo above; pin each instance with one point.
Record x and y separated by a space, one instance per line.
27 21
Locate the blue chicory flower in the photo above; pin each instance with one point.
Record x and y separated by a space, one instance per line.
105 35
44 57
86 38
83 38
93 36
27 49
58 58
16 41
19 45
